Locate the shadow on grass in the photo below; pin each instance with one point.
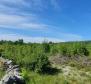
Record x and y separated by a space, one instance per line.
51 71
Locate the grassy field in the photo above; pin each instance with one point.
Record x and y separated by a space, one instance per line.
67 75
70 62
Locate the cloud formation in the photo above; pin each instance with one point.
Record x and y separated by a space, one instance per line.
29 4
12 13
21 15
15 37
20 22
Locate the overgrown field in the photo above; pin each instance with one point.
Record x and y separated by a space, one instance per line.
50 63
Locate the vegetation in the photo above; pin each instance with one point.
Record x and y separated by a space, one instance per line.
1 73
34 59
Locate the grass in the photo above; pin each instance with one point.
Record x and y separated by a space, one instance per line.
1 73
66 75
46 79
73 76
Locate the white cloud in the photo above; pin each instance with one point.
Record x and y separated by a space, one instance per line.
12 2
71 37
15 37
10 19
30 4
16 7
28 23
13 15
28 38
20 22
34 25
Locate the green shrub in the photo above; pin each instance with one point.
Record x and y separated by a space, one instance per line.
64 51
81 50
46 47
54 51
25 75
40 63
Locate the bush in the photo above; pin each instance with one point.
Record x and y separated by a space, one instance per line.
40 63
81 50
46 47
25 75
54 51
64 51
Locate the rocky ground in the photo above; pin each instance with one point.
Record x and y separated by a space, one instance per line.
12 74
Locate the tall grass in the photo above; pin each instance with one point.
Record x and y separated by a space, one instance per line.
1 73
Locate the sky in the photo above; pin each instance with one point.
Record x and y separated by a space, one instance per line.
51 20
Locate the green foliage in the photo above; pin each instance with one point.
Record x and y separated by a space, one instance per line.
40 63
46 47
64 51
1 52
2 72
34 56
81 50
27 55
84 51
25 75
54 50
20 41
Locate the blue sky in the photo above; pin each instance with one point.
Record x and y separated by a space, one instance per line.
53 20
